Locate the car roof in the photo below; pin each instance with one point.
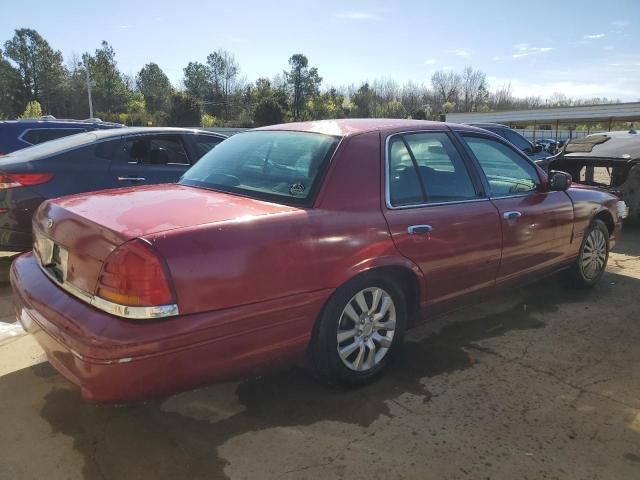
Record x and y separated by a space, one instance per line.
59 145
54 122
353 126
620 145
487 124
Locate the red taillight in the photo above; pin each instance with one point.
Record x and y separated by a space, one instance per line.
13 180
133 275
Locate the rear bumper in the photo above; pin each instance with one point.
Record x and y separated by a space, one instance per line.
113 360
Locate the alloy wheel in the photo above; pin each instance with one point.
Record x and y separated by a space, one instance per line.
366 328
594 254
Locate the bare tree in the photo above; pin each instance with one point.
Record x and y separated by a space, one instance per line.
474 87
447 86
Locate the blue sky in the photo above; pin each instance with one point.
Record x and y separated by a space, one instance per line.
580 48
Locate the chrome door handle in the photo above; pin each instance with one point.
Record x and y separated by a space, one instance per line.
132 179
413 229
512 215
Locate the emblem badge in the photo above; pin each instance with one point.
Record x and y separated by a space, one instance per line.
48 223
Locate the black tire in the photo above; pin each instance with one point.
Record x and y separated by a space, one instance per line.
579 275
326 360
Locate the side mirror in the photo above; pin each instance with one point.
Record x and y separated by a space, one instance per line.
559 181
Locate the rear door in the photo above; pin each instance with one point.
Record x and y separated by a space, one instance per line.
537 225
150 159
438 215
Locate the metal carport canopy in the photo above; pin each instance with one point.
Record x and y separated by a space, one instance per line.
614 111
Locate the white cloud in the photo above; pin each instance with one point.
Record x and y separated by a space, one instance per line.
524 50
357 16
496 58
124 26
431 61
594 36
620 23
460 52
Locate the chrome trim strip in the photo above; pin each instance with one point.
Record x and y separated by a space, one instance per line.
387 188
124 311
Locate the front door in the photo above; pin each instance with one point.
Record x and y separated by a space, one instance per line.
537 225
438 218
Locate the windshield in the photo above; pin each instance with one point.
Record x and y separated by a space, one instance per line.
271 165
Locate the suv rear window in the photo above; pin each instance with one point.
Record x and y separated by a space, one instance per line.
271 165
36 136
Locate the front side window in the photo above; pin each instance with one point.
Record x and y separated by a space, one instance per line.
156 150
506 171
271 165
40 135
427 168
519 141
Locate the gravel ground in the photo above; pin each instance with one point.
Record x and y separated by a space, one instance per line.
542 382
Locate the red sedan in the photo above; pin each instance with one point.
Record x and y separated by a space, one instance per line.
327 238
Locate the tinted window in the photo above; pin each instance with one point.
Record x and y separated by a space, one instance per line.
518 140
41 135
426 168
274 165
506 171
204 143
155 150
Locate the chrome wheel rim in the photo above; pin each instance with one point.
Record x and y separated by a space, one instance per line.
594 254
366 328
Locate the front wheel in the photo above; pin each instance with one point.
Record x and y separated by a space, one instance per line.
593 256
360 328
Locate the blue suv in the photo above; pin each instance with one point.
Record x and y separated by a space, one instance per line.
18 134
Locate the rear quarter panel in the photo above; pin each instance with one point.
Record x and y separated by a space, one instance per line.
256 259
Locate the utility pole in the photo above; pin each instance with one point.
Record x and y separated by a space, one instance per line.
86 71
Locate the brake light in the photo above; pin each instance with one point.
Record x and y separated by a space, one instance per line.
134 276
14 180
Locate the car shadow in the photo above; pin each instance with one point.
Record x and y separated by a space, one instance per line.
184 438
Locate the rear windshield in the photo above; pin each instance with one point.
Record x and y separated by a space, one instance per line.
279 166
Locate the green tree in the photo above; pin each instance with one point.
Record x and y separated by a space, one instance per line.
364 101
110 93
155 87
268 112
304 84
33 110
12 94
185 111
40 68
196 81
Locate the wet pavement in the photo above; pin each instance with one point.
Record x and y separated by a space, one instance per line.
542 382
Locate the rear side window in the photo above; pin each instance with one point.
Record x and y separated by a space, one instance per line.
506 171
156 150
36 136
427 168
204 143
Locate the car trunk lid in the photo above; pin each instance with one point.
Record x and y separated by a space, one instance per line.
82 230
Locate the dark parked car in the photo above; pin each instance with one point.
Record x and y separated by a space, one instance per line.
87 162
327 238
610 161
549 145
18 134
535 152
